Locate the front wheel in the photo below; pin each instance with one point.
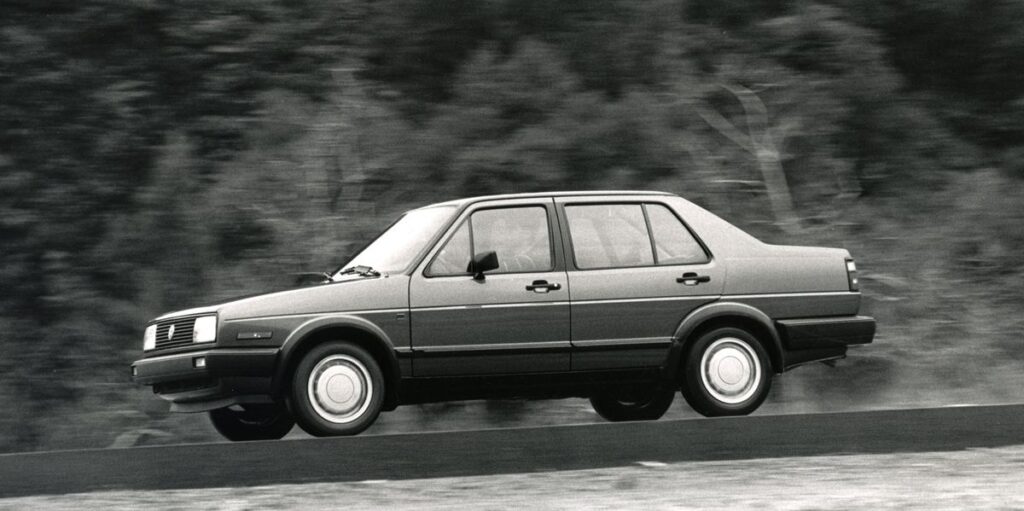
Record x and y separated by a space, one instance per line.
240 423
726 372
642 404
337 389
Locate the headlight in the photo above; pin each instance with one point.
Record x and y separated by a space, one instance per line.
205 329
149 338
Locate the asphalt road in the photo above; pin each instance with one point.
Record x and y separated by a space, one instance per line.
517 450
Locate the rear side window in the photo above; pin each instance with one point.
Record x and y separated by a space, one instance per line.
630 235
673 242
609 235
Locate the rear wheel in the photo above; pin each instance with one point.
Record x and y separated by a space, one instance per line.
726 372
638 404
252 422
337 389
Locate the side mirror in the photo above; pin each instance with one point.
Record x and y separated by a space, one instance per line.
484 261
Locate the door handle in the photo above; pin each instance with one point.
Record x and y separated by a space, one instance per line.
542 286
692 279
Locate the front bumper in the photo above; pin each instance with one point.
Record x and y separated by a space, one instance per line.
209 379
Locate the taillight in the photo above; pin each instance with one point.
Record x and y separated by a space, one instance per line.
851 274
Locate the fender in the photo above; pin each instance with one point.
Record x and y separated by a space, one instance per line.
320 323
708 312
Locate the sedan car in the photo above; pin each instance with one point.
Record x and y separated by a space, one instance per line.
624 298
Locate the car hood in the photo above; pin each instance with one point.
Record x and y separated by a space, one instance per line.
349 295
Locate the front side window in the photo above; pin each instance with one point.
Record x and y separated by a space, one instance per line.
609 236
454 258
519 236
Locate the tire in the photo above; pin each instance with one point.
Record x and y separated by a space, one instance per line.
726 372
645 404
241 423
337 389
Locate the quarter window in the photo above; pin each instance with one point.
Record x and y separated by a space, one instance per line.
673 242
519 236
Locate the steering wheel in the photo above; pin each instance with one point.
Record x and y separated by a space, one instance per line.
522 262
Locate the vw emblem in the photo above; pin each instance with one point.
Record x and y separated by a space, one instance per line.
170 332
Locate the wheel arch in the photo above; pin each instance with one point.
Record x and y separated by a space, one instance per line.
721 314
352 329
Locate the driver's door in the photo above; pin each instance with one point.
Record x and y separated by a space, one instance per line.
516 318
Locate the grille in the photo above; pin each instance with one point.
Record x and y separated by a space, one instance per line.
182 333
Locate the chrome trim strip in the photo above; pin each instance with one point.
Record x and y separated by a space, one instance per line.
339 314
207 352
488 306
825 320
172 356
637 341
379 311
655 299
492 347
791 295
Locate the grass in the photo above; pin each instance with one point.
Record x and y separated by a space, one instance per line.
972 479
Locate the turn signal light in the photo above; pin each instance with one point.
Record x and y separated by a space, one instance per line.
851 274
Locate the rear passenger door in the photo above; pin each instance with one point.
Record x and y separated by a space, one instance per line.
635 270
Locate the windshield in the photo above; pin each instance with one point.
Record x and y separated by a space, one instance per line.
395 248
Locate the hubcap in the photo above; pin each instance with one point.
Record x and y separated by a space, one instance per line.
730 370
340 388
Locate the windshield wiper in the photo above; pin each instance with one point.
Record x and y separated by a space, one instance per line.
362 271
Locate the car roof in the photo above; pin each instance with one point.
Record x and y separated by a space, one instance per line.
533 195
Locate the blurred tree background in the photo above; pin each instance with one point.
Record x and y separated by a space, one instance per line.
158 154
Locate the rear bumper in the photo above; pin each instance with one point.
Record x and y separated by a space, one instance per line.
205 380
814 339
801 334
